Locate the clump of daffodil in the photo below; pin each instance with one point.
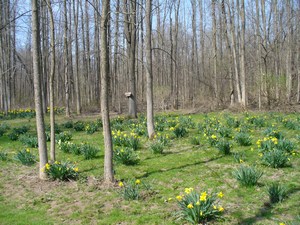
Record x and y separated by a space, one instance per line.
199 208
133 189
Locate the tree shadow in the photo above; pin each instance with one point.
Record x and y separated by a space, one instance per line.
147 174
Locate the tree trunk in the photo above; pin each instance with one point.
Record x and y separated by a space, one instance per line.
66 59
37 89
108 154
51 84
242 63
149 76
214 32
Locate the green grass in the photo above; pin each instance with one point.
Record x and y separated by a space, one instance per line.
182 165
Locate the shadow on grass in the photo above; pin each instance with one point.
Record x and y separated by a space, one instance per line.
147 174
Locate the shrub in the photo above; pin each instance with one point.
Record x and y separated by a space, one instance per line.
88 151
25 157
157 147
223 146
63 137
126 156
179 131
275 158
224 132
61 171
195 141
79 126
131 189
243 139
29 141
199 208
247 176
276 192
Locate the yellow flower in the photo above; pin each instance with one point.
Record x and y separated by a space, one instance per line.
203 196
197 203
260 154
201 213
137 182
172 128
281 223
213 136
241 161
215 207
76 169
221 209
121 184
179 197
190 206
188 190
27 150
220 194
170 199
47 166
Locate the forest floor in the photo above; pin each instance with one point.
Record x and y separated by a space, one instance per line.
192 161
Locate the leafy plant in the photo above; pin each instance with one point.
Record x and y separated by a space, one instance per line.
3 156
133 142
271 132
239 157
156 147
69 124
179 130
61 171
57 129
131 189
163 139
285 145
276 192
25 157
224 132
224 146
69 147
126 156
212 140
195 141
79 126
243 139
199 208
21 130
275 158
233 122
29 141
63 137
91 128
289 124
247 176
13 136
88 151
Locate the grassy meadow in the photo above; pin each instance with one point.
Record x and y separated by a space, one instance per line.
200 151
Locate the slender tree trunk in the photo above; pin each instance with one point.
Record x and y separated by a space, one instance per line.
214 32
66 59
243 69
108 154
37 89
149 76
51 83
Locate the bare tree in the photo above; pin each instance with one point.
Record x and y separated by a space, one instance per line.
108 162
37 89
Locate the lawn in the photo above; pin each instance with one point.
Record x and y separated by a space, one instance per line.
199 151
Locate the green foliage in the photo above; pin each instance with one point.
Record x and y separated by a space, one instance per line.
25 157
233 122
277 192
13 136
223 146
123 140
17 131
285 145
212 140
91 128
239 157
79 126
247 176
63 171
163 139
156 147
69 147
133 142
57 129
126 156
289 124
186 121
3 128
3 156
257 121
199 208
243 139
63 137
131 189
271 132
29 141
195 141
69 124
88 151
179 130
224 132
275 158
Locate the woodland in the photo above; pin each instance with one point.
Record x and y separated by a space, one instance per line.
149 111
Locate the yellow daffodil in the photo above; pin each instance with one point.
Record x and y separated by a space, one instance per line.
76 169
281 223
203 196
179 197
221 209
213 136
137 182
121 184
215 207
190 206
220 194
27 150
201 213
188 190
197 203
47 166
